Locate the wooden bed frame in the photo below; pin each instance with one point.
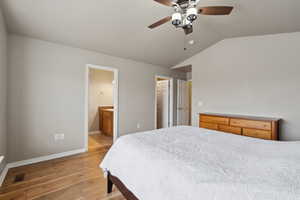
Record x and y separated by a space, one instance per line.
112 180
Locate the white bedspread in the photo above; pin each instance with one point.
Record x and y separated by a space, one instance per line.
189 163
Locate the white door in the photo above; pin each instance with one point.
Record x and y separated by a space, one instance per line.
163 103
182 103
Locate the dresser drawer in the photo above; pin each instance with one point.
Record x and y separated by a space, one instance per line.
209 125
251 124
257 133
230 129
214 119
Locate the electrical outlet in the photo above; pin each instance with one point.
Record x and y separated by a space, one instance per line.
138 125
59 136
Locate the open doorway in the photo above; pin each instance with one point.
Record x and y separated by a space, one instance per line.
163 102
184 97
101 107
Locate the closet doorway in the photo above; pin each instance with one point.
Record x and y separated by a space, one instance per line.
101 120
184 103
184 96
163 102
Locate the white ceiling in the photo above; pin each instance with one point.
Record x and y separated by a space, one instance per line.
119 27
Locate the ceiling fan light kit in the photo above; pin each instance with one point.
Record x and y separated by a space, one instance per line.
191 14
186 12
176 19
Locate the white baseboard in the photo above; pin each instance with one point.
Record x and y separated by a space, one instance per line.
3 175
37 160
94 132
44 158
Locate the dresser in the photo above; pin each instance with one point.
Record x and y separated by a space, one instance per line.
106 120
257 127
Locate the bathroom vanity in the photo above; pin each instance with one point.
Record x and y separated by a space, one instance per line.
106 120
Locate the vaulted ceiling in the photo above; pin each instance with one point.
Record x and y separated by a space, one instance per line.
119 27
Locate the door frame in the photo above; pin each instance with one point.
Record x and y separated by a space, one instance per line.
116 133
171 97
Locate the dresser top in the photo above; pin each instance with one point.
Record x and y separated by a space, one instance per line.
242 116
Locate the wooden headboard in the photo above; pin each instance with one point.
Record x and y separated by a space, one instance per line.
258 127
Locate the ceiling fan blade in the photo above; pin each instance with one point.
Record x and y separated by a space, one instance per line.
160 22
188 30
215 10
165 2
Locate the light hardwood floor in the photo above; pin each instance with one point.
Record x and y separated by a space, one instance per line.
99 141
71 178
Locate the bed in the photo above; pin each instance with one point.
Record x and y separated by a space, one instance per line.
189 163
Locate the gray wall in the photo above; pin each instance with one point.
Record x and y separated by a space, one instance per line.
251 75
46 95
3 86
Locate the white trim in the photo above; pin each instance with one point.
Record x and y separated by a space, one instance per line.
37 160
3 175
171 79
94 132
44 158
115 100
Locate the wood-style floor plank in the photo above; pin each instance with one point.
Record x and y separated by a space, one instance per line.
97 141
71 178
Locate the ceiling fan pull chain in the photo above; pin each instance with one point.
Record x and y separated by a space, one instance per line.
184 43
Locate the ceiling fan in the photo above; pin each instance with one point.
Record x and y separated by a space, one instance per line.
186 12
